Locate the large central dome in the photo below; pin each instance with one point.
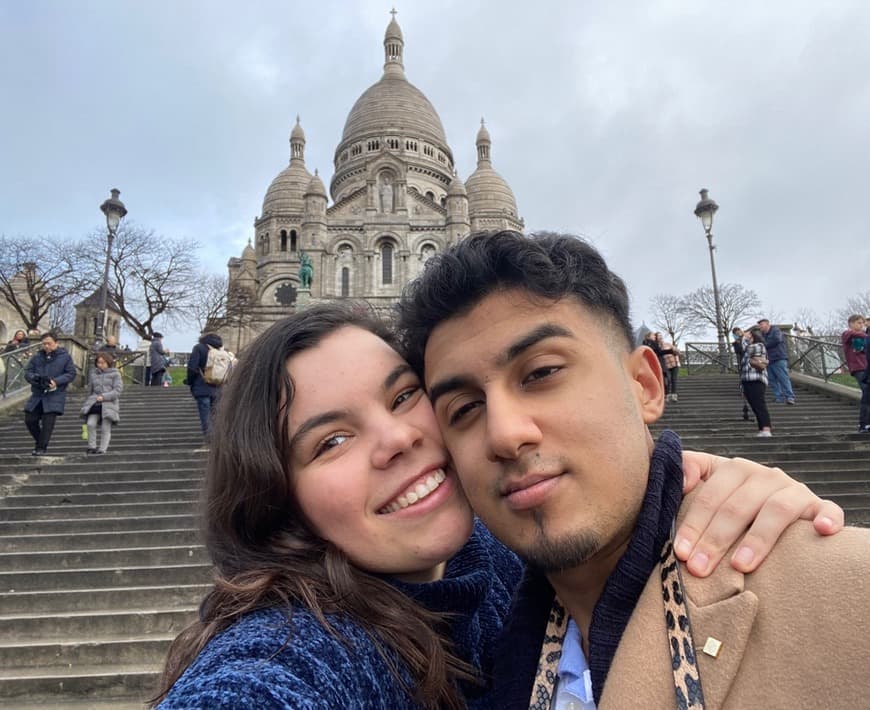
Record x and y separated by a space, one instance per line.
393 104
393 117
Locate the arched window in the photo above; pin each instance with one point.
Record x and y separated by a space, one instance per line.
430 195
283 246
386 263
292 240
345 282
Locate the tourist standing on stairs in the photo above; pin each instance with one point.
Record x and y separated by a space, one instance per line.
159 359
102 406
855 341
205 394
49 372
738 344
671 366
753 379
777 355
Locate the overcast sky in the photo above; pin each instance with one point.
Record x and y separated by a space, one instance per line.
606 119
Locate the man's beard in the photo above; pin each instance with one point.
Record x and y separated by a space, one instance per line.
550 555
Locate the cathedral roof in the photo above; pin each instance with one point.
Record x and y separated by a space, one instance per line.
457 188
487 190
315 186
287 191
394 103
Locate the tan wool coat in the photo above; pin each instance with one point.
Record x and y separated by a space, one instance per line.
795 634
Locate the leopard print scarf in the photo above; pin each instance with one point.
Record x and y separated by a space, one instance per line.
687 680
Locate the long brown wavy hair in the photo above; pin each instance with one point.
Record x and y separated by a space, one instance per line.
266 553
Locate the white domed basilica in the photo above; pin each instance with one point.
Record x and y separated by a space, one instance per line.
396 200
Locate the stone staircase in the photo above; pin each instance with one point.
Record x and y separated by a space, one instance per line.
814 441
100 564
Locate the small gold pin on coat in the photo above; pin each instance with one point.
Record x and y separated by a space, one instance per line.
712 647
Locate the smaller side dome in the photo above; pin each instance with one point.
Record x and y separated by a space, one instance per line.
457 187
488 192
316 187
248 253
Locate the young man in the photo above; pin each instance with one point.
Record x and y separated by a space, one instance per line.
855 342
526 349
777 368
49 372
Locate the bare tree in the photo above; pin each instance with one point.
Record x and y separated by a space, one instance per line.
239 311
210 305
668 314
859 304
38 273
62 314
737 302
150 276
221 305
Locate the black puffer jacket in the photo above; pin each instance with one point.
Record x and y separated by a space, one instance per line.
43 366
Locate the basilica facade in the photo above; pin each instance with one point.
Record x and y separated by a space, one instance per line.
394 200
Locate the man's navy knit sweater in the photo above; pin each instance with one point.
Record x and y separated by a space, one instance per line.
263 661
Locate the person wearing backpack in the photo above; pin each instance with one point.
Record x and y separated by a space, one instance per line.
204 391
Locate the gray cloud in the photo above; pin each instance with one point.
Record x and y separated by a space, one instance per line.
606 119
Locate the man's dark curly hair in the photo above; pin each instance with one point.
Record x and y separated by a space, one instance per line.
544 264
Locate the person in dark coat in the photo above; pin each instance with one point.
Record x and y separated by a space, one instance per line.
204 393
49 372
19 340
159 359
110 346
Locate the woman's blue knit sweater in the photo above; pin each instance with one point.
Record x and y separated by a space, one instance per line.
265 661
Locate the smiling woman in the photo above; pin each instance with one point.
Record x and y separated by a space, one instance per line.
340 537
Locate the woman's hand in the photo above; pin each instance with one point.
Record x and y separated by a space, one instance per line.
743 494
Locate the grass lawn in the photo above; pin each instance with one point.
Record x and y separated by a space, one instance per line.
847 380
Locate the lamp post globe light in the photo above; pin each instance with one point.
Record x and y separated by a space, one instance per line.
704 210
114 210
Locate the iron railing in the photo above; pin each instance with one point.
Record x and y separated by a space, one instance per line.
817 356
130 363
704 357
12 367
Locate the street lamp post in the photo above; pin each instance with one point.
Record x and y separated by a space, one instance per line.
704 210
114 210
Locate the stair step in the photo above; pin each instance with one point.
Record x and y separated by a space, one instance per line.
180 595
89 559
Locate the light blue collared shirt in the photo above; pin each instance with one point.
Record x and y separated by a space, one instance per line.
574 687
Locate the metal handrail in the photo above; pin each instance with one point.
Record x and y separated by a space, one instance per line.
813 356
817 357
12 367
705 356
122 360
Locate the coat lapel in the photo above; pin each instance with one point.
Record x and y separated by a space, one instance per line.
719 608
